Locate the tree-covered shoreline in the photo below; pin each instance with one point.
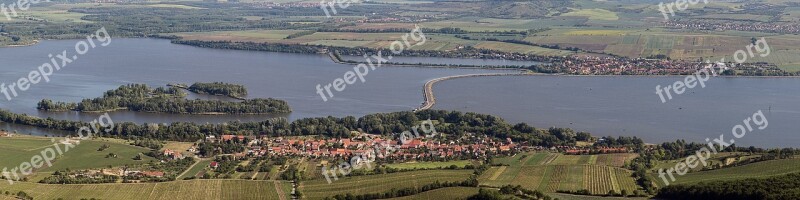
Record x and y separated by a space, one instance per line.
141 98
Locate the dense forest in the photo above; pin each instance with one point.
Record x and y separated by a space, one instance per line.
219 88
141 98
779 187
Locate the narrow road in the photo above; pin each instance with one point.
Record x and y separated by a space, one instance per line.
427 90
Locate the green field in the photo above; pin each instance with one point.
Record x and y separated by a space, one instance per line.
756 170
83 156
196 169
320 188
194 189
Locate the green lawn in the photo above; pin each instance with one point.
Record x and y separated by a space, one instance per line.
86 156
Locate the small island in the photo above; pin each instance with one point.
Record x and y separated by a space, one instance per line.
141 98
216 88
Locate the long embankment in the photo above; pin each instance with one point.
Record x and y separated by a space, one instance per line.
427 90
430 99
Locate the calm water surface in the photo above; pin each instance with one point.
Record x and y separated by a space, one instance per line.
291 77
629 106
601 105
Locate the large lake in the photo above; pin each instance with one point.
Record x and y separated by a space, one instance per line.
628 105
601 105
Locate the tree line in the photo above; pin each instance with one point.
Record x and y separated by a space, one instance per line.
779 187
451 122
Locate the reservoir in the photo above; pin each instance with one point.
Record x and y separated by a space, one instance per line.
629 106
602 105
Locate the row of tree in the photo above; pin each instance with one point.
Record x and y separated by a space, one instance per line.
450 122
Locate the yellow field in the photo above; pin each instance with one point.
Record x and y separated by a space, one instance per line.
597 14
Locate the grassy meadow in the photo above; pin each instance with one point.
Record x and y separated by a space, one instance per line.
15 150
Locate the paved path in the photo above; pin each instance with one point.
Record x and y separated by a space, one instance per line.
427 90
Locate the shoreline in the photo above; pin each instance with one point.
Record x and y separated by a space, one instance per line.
35 42
338 61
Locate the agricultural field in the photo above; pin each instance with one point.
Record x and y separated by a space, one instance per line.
716 160
477 24
429 165
596 14
198 167
320 188
86 156
57 16
583 197
178 146
443 193
550 172
682 45
15 150
521 48
442 42
756 170
162 5
240 36
194 189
